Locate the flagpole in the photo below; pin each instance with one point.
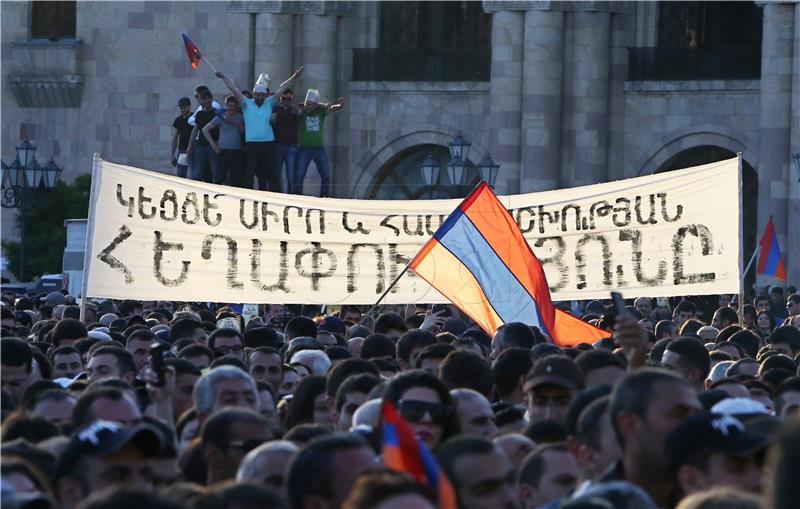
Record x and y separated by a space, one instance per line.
392 285
87 258
752 259
741 242
210 64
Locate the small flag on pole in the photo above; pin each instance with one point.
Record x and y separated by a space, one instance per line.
480 261
195 56
770 261
402 452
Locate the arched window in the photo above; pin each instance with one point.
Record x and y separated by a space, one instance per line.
401 178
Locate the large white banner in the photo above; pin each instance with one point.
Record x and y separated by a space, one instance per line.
156 236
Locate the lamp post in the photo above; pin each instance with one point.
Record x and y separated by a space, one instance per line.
22 181
456 169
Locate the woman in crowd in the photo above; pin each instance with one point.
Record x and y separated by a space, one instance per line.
423 401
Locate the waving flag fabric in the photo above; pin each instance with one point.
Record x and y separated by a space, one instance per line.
404 453
770 261
479 260
192 51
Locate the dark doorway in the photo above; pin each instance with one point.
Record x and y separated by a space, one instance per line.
705 154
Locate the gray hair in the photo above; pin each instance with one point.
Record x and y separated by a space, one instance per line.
464 394
368 414
718 371
316 360
203 395
252 466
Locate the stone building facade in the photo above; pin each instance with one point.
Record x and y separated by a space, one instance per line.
557 107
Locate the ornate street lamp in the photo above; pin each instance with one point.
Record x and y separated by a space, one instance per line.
25 153
456 170
459 147
430 170
16 176
488 169
51 174
22 181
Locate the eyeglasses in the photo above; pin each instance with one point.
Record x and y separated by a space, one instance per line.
225 350
414 411
245 445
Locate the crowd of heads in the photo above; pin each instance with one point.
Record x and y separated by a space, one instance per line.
689 403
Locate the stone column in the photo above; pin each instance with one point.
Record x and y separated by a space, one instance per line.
506 97
317 51
793 233
586 121
541 100
274 48
622 38
775 124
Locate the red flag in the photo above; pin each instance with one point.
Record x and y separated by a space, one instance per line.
192 51
770 261
404 453
480 261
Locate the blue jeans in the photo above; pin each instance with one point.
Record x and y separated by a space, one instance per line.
304 157
181 169
286 153
203 156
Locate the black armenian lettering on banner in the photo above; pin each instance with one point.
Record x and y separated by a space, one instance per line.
318 262
574 240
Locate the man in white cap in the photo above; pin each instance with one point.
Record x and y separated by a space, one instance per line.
259 137
311 141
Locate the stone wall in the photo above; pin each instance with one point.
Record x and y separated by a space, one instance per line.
557 111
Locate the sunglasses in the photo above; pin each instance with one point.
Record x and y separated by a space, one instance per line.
245 445
414 411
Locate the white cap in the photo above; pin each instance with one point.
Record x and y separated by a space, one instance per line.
739 406
97 334
312 95
262 84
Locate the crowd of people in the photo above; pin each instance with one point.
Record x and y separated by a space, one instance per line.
254 136
170 405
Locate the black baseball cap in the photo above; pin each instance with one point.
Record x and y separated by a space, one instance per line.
557 370
710 433
332 324
102 438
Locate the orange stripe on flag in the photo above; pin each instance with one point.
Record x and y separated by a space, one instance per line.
443 270
570 330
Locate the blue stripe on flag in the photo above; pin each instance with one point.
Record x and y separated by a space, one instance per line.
429 465
390 435
511 301
448 224
773 256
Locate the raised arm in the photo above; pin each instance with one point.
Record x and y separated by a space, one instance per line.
338 105
288 82
231 86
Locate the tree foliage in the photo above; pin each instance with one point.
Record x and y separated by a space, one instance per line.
46 236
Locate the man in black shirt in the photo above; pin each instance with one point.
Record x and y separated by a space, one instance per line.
284 122
180 137
202 156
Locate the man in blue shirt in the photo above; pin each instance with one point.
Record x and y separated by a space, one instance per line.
259 138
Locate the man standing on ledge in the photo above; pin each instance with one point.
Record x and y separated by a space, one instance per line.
259 138
310 139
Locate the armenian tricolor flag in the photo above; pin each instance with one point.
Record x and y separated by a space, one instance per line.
195 56
770 261
404 453
479 260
